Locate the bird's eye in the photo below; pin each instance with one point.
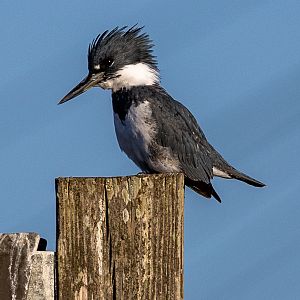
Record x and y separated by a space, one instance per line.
107 62
103 66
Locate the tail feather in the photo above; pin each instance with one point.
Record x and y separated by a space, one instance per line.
202 188
245 178
225 170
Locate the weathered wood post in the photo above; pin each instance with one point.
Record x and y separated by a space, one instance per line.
120 238
26 272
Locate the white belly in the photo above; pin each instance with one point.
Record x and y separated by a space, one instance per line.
135 135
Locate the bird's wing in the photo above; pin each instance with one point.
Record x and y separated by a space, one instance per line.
179 131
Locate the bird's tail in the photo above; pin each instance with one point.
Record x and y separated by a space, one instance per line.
202 188
223 169
245 178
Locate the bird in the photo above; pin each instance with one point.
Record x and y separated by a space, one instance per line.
157 132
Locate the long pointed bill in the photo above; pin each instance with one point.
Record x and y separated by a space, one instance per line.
84 85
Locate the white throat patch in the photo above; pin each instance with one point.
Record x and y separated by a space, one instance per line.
132 75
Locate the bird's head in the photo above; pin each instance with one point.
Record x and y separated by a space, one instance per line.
121 58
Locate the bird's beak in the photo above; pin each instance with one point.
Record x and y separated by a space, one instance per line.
83 86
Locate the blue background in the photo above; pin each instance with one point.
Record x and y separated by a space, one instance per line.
234 64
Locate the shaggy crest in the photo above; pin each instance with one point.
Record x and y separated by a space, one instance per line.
121 45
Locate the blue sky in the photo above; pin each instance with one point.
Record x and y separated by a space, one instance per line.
234 64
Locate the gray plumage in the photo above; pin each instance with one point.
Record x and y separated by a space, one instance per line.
157 132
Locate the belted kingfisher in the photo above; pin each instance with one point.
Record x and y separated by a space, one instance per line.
158 133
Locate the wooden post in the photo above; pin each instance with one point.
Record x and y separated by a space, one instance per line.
41 283
25 272
120 238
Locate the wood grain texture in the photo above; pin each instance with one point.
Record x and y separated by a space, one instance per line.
120 238
16 250
41 283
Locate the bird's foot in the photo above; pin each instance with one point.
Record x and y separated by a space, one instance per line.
141 173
